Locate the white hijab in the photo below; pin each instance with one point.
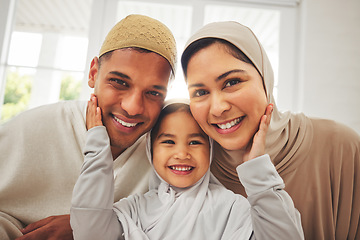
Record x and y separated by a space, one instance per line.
205 210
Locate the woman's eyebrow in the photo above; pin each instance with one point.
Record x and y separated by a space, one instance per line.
224 75
196 85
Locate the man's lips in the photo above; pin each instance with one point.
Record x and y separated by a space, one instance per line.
126 123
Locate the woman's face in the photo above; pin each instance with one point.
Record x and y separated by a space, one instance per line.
227 97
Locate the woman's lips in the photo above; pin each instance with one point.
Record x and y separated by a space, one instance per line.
229 126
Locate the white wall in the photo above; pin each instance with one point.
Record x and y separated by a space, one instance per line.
329 60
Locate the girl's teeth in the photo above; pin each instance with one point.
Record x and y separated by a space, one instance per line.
229 124
125 124
180 168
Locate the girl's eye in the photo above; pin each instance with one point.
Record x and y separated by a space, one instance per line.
232 82
168 142
194 142
199 93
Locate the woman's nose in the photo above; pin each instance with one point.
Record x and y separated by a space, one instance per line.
219 104
133 103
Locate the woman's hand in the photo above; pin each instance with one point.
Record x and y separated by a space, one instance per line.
93 113
257 147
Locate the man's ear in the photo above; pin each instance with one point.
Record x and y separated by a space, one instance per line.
94 69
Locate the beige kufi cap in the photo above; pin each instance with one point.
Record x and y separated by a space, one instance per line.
142 32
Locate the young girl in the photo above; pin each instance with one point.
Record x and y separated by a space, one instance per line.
184 201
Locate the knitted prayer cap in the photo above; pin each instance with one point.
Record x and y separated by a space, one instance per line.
142 32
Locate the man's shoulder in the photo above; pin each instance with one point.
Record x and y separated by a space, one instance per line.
53 109
72 112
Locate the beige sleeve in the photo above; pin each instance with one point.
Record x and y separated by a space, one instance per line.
9 227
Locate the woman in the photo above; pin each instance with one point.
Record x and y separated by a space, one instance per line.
230 82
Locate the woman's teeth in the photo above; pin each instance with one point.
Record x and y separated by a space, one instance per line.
229 124
179 168
125 124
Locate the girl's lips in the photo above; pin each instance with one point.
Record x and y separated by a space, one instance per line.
181 169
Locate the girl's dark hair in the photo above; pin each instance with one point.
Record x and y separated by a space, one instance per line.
172 108
200 44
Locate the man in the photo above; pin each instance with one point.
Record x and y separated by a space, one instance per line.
41 149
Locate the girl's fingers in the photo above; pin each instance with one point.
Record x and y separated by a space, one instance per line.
93 117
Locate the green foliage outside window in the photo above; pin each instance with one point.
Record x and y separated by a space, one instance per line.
70 88
18 92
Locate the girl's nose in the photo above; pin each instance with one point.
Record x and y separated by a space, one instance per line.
182 154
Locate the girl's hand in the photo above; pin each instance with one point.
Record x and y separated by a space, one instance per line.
93 113
257 148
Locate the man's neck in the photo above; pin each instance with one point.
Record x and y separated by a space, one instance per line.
116 152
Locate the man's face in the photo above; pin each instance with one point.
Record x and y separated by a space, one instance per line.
130 87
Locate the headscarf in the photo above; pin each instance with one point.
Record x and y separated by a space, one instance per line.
168 212
286 131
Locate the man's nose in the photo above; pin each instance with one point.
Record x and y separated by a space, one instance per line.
133 103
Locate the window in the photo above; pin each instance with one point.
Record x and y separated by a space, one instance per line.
50 52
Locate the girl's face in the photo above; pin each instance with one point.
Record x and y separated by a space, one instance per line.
181 150
227 97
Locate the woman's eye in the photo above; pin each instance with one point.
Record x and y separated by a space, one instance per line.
199 93
232 82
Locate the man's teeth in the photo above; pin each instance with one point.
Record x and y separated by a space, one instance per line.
229 124
125 124
179 168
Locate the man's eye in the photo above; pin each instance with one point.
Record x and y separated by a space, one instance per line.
199 93
168 142
119 82
155 93
232 82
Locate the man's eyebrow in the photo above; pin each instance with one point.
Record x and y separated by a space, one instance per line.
160 87
224 75
119 74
